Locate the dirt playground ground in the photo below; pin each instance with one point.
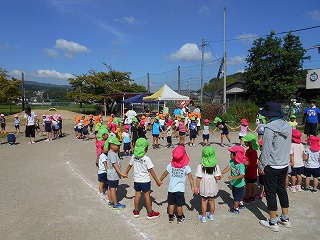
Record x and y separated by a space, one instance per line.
49 190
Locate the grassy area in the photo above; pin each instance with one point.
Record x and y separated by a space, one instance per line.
8 109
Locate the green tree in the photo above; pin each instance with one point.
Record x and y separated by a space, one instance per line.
88 88
274 68
9 89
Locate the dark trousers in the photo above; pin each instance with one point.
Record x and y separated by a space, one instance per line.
169 140
275 184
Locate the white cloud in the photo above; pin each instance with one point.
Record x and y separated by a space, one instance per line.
240 71
203 9
70 48
236 60
52 74
315 15
15 73
51 52
128 20
247 37
189 52
113 31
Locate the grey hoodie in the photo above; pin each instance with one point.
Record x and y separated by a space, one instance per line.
276 145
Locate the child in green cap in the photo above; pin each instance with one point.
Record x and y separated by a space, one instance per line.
250 141
143 168
208 173
293 123
114 172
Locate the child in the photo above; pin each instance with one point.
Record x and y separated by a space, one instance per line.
293 123
193 132
237 168
143 168
37 124
205 133
102 136
176 126
244 127
262 194
156 129
260 127
126 140
250 140
142 130
312 163
102 175
208 173
134 132
223 130
178 170
91 121
17 123
85 130
48 128
60 125
162 123
169 133
114 173
55 126
296 161
3 123
182 130
43 123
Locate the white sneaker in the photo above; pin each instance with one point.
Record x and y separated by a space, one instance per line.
298 187
284 223
47 140
293 189
266 223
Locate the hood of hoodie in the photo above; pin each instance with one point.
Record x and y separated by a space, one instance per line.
281 127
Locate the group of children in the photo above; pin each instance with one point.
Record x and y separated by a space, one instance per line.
52 126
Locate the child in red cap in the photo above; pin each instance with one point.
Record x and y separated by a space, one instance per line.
178 170
237 168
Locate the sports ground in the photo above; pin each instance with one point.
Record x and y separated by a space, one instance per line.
49 190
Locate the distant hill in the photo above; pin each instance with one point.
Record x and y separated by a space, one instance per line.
37 86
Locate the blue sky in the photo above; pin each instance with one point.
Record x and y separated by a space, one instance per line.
50 40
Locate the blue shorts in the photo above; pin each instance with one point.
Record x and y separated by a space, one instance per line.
155 135
193 134
237 193
297 171
176 198
126 146
142 187
315 172
225 132
102 177
113 183
182 133
205 136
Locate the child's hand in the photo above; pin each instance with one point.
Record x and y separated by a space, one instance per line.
124 175
230 177
159 183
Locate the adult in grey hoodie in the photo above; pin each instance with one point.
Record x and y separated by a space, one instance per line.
275 159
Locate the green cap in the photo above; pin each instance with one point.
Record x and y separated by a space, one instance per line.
217 119
182 117
250 137
193 118
157 118
134 119
103 130
140 147
116 120
293 116
208 157
114 140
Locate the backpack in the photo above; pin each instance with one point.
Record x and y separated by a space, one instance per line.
11 138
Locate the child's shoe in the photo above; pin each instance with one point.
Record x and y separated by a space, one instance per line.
242 207
210 216
110 204
314 190
222 144
293 189
268 224
153 214
298 188
136 213
119 206
180 219
307 189
286 223
202 219
234 210
230 145
171 218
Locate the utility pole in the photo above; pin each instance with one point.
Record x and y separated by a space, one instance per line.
22 78
225 67
148 82
179 79
202 66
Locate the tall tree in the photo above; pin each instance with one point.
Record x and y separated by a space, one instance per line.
274 68
9 89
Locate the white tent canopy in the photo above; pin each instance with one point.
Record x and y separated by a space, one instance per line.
166 94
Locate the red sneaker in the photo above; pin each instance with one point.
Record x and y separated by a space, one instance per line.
136 213
153 214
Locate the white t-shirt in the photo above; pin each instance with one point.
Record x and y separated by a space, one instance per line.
141 168
297 150
130 115
208 184
161 122
102 159
30 119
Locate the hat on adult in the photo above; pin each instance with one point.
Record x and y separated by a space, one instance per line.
239 151
206 121
217 119
169 123
312 101
296 136
244 121
180 158
272 109
157 118
140 147
250 137
314 143
114 140
208 157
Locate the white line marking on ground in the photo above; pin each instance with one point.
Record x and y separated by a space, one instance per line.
128 221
